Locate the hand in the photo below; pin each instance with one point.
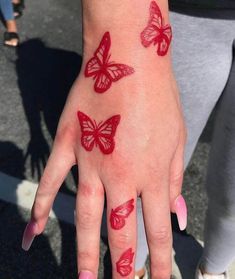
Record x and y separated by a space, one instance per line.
144 157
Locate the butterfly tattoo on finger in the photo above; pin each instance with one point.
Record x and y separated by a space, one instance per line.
120 213
104 71
123 265
156 32
100 135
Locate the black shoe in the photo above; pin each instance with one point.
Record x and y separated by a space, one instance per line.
18 8
8 36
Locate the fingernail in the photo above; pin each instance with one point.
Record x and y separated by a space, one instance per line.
86 275
29 235
181 212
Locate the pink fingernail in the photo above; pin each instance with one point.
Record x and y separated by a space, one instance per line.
29 235
181 212
86 275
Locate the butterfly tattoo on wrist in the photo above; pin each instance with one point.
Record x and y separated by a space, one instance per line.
100 135
104 71
156 32
120 213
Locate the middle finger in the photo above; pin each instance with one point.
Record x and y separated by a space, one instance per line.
121 219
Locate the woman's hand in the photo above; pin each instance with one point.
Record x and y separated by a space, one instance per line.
136 151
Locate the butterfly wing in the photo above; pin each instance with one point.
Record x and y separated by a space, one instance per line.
149 35
93 66
106 133
155 15
116 221
88 129
124 263
102 52
102 83
119 214
124 270
164 40
117 71
152 31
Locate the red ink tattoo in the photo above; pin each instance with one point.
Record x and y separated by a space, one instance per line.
124 263
103 71
101 134
156 32
119 214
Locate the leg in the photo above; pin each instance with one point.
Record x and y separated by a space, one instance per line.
7 10
202 65
219 249
10 37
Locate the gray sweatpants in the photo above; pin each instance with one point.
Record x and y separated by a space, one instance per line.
203 57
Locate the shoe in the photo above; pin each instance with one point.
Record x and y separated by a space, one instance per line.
9 36
18 9
199 275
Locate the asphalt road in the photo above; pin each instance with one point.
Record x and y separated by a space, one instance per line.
34 82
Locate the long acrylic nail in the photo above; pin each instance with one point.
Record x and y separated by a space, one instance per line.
29 235
86 275
181 212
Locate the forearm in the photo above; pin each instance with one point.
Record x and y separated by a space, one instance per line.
127 16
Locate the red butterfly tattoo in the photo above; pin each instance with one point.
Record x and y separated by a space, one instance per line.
102 70
101 135
156 32
124 263
119 214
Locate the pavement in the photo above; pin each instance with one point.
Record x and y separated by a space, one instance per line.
34 82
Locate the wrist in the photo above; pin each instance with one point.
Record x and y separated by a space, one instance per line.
116 46
124 20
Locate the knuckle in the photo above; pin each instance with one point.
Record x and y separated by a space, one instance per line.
161 236
87 191
65 134
160 274
85 219
39 210
177 179
161 269
115 170
87 258
121 241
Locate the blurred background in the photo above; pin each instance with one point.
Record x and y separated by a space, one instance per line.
34 82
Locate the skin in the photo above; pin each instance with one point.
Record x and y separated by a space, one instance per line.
100 68
119 214
124 264
11 27
149 144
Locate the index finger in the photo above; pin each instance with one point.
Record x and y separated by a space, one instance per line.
58 166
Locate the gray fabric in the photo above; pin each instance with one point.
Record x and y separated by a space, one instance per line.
202 58
220 224
214 4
